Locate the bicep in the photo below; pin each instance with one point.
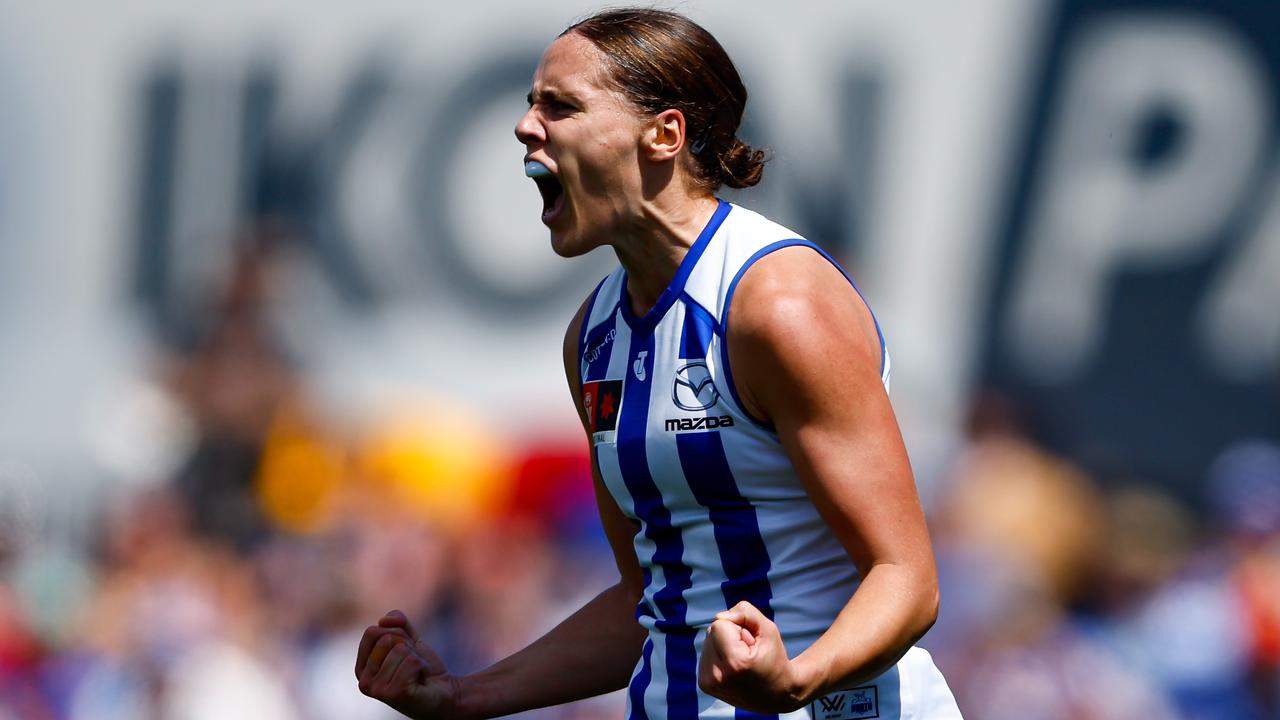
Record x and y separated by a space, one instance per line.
805 352
854 466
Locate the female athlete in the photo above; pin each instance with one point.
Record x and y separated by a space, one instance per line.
750 475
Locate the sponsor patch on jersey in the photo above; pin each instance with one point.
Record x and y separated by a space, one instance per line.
852 704
698 423
694 388
638 365
594 351
601 401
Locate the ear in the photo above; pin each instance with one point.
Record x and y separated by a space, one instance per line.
664 137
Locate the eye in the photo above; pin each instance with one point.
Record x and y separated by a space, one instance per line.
551 104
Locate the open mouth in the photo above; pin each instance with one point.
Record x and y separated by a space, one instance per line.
548 186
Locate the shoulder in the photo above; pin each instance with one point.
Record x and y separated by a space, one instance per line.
582 319
744 219
573 337
797 324
795 298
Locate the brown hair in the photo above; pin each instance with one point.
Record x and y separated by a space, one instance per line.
661 60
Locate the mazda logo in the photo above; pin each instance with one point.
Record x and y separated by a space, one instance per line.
694 388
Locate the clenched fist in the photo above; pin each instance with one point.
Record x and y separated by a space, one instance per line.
394 666
745 663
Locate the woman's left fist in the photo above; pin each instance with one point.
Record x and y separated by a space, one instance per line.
745 663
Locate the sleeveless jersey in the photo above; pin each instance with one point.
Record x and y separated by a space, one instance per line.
722 514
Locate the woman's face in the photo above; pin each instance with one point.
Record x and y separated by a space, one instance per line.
588 136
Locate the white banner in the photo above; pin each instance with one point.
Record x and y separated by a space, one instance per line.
136 138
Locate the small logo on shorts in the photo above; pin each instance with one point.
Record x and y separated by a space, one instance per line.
854 704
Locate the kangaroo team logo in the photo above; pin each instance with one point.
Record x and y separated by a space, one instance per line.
694 389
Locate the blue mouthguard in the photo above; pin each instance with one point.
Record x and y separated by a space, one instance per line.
535 169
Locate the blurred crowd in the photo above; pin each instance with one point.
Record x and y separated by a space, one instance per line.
1062 599
238 585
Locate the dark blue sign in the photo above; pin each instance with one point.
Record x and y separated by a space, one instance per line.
1135 316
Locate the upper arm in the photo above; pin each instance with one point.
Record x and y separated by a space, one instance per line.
806 357
618 528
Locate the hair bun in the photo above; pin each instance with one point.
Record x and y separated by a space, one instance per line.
660 60
741 166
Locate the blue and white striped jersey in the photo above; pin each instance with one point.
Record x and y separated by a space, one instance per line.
722 515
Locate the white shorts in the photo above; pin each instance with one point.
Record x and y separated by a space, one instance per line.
913 689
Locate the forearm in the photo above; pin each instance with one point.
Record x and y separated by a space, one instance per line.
592 652
892 608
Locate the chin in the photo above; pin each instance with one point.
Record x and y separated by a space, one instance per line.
567 247
568 243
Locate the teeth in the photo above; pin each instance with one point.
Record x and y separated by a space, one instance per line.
535 169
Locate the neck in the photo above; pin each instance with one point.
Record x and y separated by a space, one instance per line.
653 249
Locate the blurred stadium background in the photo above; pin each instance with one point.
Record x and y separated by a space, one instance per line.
279 339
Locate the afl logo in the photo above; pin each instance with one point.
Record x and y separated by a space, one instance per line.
694 389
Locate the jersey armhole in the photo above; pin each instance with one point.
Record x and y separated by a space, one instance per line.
586 324
723 327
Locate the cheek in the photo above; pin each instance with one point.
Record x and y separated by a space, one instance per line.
612 158
613 138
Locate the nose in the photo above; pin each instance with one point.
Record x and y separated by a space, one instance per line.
529 130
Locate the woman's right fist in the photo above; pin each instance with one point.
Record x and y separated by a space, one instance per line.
394 666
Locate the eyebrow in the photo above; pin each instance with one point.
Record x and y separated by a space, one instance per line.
547 94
